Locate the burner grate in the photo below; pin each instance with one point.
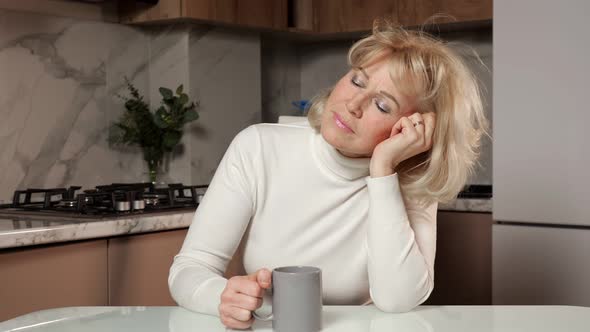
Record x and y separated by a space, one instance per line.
106 200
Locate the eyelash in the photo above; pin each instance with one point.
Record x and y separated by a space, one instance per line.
354 82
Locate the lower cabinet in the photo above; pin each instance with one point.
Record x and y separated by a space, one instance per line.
133 270
123 271
44 277
139 266
463 264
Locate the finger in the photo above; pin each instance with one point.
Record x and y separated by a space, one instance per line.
245 285
418 123
417 119
264 278
397 127
240 314
245 301
233 323
408 126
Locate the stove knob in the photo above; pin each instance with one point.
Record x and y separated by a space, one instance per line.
122 206
138 204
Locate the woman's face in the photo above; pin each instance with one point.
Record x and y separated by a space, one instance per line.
362 109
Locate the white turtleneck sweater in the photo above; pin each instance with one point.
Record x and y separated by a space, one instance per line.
306 204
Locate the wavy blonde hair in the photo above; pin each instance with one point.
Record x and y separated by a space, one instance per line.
438 78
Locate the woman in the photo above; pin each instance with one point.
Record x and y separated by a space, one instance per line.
355 193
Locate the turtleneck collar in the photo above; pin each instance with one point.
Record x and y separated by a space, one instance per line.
329 157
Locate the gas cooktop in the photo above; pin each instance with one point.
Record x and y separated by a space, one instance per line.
114 200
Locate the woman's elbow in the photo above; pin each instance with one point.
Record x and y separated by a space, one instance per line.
401 303
394 307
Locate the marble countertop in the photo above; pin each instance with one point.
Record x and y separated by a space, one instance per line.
335 318
22 230
468 205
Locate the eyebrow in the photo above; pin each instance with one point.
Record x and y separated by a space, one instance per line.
390 97
381 92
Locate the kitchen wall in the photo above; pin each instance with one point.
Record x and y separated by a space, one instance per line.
58 86
60 77
293 71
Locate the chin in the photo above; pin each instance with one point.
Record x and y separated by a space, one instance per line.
339 142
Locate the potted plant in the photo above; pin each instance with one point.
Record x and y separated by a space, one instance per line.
156 133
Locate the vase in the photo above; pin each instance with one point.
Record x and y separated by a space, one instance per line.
155 170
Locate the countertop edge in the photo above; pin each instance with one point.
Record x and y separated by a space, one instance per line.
468 205
83 230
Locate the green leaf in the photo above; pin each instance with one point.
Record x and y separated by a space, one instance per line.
170 101
183 99
179 90
115 134
170 139
160 118
190 115
166 93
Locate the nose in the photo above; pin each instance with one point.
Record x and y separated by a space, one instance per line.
356 104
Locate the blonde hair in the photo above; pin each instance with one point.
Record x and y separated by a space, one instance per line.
426 68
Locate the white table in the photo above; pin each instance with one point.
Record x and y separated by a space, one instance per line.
336 318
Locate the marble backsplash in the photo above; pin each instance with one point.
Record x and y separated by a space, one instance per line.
58 83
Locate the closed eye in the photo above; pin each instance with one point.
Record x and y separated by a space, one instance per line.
356 82
381 106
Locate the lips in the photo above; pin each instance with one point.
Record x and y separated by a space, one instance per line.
341 124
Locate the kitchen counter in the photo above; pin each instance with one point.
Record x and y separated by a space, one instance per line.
22 230
335 318
468 205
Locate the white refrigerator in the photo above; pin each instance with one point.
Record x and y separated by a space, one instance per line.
541 152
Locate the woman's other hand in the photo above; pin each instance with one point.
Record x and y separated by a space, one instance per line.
241 296
409 136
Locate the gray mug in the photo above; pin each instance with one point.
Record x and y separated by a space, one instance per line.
296 299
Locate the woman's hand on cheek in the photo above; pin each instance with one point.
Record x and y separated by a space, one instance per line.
410 136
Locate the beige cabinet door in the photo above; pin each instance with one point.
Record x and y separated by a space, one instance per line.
536 265
44 277
139 266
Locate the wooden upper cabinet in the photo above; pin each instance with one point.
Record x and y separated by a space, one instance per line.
132 11
315 16
253 13
419 12
351 15
332 16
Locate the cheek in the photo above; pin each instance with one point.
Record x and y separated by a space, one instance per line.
381 131
340 91
381 136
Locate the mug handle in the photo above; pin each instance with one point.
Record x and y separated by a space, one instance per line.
265 318
268 317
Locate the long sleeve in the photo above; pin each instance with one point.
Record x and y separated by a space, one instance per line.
401 246
196 275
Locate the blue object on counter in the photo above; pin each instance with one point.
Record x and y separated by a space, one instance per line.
301 106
